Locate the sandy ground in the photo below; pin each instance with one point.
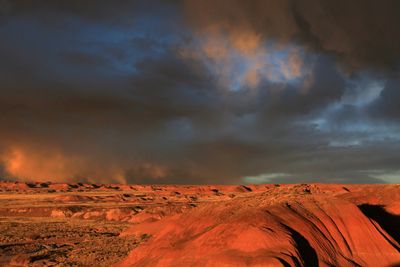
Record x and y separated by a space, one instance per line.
45 224
63 242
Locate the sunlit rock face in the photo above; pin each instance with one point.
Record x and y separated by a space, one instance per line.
205 225
300 225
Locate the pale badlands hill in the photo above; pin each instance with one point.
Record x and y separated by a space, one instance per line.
265 225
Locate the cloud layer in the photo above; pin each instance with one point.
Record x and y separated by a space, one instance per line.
200 91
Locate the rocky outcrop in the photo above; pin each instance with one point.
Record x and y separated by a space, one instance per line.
211 225
285 227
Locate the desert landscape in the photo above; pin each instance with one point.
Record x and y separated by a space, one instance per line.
56 224
200 133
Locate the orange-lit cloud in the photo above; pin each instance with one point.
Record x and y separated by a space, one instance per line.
26 164
241 58
47 165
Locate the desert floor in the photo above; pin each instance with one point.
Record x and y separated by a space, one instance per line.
48 224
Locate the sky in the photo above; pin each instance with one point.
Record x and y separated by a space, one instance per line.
200 92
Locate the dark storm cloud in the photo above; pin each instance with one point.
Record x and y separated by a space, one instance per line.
359 33
387 106
83 59
327 86
198 91
98 10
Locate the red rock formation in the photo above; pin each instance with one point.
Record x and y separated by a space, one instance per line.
303 226
256 225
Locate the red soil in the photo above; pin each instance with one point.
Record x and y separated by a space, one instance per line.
258 225
317 225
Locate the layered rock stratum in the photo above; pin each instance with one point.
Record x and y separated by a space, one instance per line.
44 224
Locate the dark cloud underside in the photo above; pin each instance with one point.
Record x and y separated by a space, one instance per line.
200 91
